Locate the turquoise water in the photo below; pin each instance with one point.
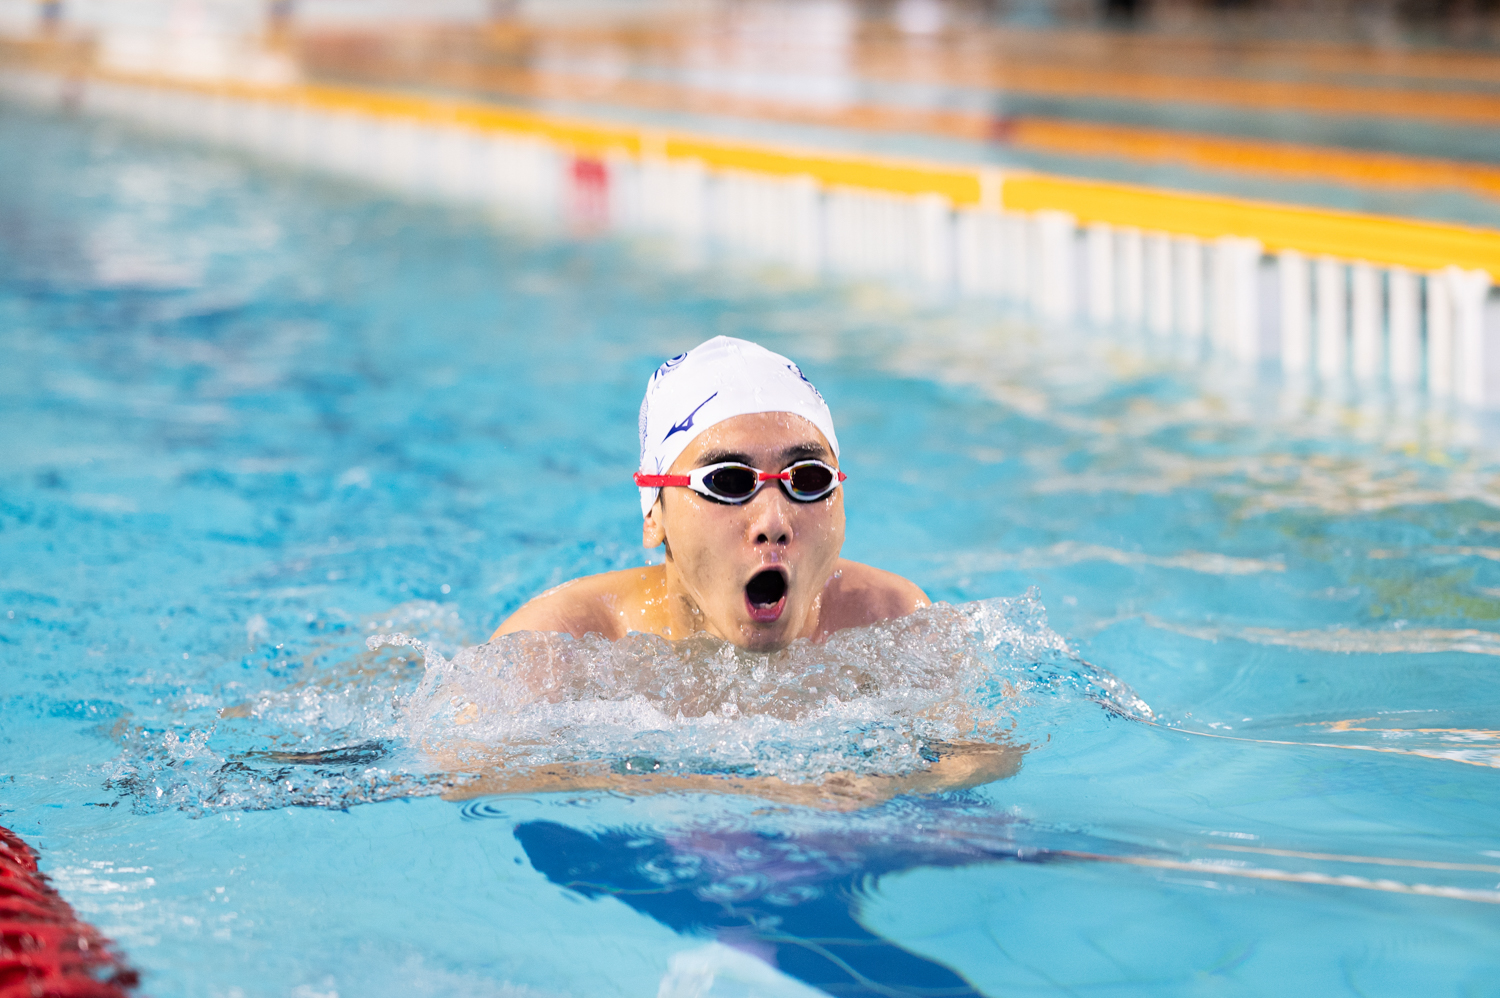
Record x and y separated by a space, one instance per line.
255 419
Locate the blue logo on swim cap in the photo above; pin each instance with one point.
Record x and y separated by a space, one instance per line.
671 364
687 424
798 372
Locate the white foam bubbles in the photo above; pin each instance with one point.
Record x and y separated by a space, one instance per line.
871 700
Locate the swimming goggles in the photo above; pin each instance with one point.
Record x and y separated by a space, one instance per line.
735 483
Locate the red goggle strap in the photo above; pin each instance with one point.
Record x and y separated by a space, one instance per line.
663 481
660 481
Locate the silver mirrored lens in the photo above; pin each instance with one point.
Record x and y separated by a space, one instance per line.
810 481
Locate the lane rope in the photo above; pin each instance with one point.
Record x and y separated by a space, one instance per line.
46 951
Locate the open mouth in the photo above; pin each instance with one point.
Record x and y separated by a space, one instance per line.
765 595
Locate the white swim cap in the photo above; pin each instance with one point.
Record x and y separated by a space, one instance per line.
714 381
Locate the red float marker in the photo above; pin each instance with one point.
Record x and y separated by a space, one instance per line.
45 951
588 207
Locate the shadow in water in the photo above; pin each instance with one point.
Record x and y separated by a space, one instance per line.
790 900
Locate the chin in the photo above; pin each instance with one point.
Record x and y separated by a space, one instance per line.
770 635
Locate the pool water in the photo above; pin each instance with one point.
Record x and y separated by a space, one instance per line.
280 453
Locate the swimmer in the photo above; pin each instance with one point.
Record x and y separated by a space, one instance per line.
740 485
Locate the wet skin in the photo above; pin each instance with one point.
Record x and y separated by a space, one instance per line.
714 550
961 766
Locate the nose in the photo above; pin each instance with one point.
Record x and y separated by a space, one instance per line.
769 521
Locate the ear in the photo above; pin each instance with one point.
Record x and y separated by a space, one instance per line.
653 529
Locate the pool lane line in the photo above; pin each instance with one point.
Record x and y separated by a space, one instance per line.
846 214
1440 756
1211 91
1424 864
1056 136
1378 240
1066 553
46 951
937 59
882 50
1437 550
1287 876
1381 240
1348 640
1345 235
1194 56
1229 154
1044 79
1349 725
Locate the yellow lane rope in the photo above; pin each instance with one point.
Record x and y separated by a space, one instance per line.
1379 240
1250 156
1313 231
1038 134
1349 235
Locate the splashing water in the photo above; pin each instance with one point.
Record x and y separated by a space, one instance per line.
334 736
869 700
360 725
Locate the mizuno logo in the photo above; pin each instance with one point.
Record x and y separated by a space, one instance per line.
687 424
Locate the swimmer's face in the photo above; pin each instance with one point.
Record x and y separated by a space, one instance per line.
755 572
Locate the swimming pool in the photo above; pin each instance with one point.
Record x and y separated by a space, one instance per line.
255 419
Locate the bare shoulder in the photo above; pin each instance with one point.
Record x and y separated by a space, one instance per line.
595 604
859 595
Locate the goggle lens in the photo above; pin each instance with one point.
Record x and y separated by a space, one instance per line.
809 481
732 482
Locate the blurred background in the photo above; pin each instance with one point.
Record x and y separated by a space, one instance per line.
1388 106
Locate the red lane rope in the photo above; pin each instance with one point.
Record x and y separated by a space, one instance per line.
45 950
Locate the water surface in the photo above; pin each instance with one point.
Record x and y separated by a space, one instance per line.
255 419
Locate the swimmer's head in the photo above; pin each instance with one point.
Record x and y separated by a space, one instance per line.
754 570
716 380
